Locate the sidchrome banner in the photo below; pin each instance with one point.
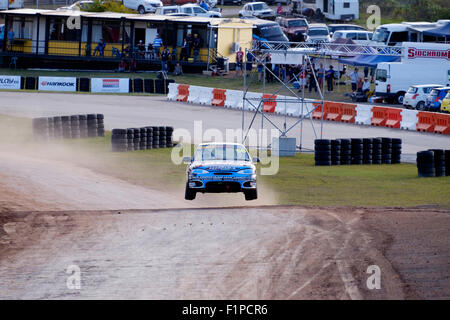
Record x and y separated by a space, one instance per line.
57 84
10 82
120 85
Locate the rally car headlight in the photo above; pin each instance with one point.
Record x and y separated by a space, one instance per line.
199 171
245 171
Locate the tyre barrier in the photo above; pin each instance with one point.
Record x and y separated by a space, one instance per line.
447 162
357 151
439 162
425 164
69 127
145 138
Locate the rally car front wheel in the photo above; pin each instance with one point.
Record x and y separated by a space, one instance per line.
189 194
251 194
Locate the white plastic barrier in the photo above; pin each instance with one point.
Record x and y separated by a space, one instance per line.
205 95
194 94
254 100
173 92
234 99
363 114
409 119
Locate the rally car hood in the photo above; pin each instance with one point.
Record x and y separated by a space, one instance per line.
222 165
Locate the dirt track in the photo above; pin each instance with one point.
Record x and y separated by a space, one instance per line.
48 223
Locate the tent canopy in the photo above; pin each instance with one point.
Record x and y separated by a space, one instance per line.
370 61
442 31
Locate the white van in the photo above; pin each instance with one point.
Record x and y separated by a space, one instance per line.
358 36
143 6
337 10
395 34
11 4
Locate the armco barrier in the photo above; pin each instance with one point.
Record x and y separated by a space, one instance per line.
333 111
394 117
442 123
173 92
219 97
409 119
234 99
348 112
317 113
183 92
363 114
425 121
379 116
270 103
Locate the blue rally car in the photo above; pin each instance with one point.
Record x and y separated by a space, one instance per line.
221 167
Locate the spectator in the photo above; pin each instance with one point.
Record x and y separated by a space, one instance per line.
312 81
133 65
366 72
189 40
366 86
354 77
249 62
184 54
360 84
122 66
196 45
330 78
320 75
11 38
165 55
269 75
157 44
239 61
279 9
260 68
178 70
150 51
141 48
100 48
204 5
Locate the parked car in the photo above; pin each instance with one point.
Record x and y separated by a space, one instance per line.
318 32
434 99
358 36
340 27
224 2
177 2
221 167
78 6
257 9
416 96
445 105
143 6
294 28
188 9
268 31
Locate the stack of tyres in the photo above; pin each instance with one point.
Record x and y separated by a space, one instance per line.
425 164
367 150
75 127
162 137
143 139
51 128
149 138
65 125
92 125
40 128
447 162
83 126
396 151
119 140
335 152
386 150
322 152
169 135
357 151
136 138
376 151
439 162
346 151
155 140
57 128
100 125
130 139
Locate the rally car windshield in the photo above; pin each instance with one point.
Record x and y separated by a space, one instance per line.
221 153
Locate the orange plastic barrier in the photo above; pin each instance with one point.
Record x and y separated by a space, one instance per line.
333 111
218 97
348 113
442 123
183 92
394 117
379 116
317 113
270 104
425 121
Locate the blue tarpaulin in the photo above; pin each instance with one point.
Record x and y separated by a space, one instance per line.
443 31
371 61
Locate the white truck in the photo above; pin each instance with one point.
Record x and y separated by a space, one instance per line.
422 63
337 10
11 4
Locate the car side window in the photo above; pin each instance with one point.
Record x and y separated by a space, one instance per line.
351 35
198 10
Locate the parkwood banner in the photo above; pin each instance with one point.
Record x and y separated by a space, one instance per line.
118 85
67 84
10 82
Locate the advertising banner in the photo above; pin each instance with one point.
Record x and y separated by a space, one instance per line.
10 82
110 85
57 84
